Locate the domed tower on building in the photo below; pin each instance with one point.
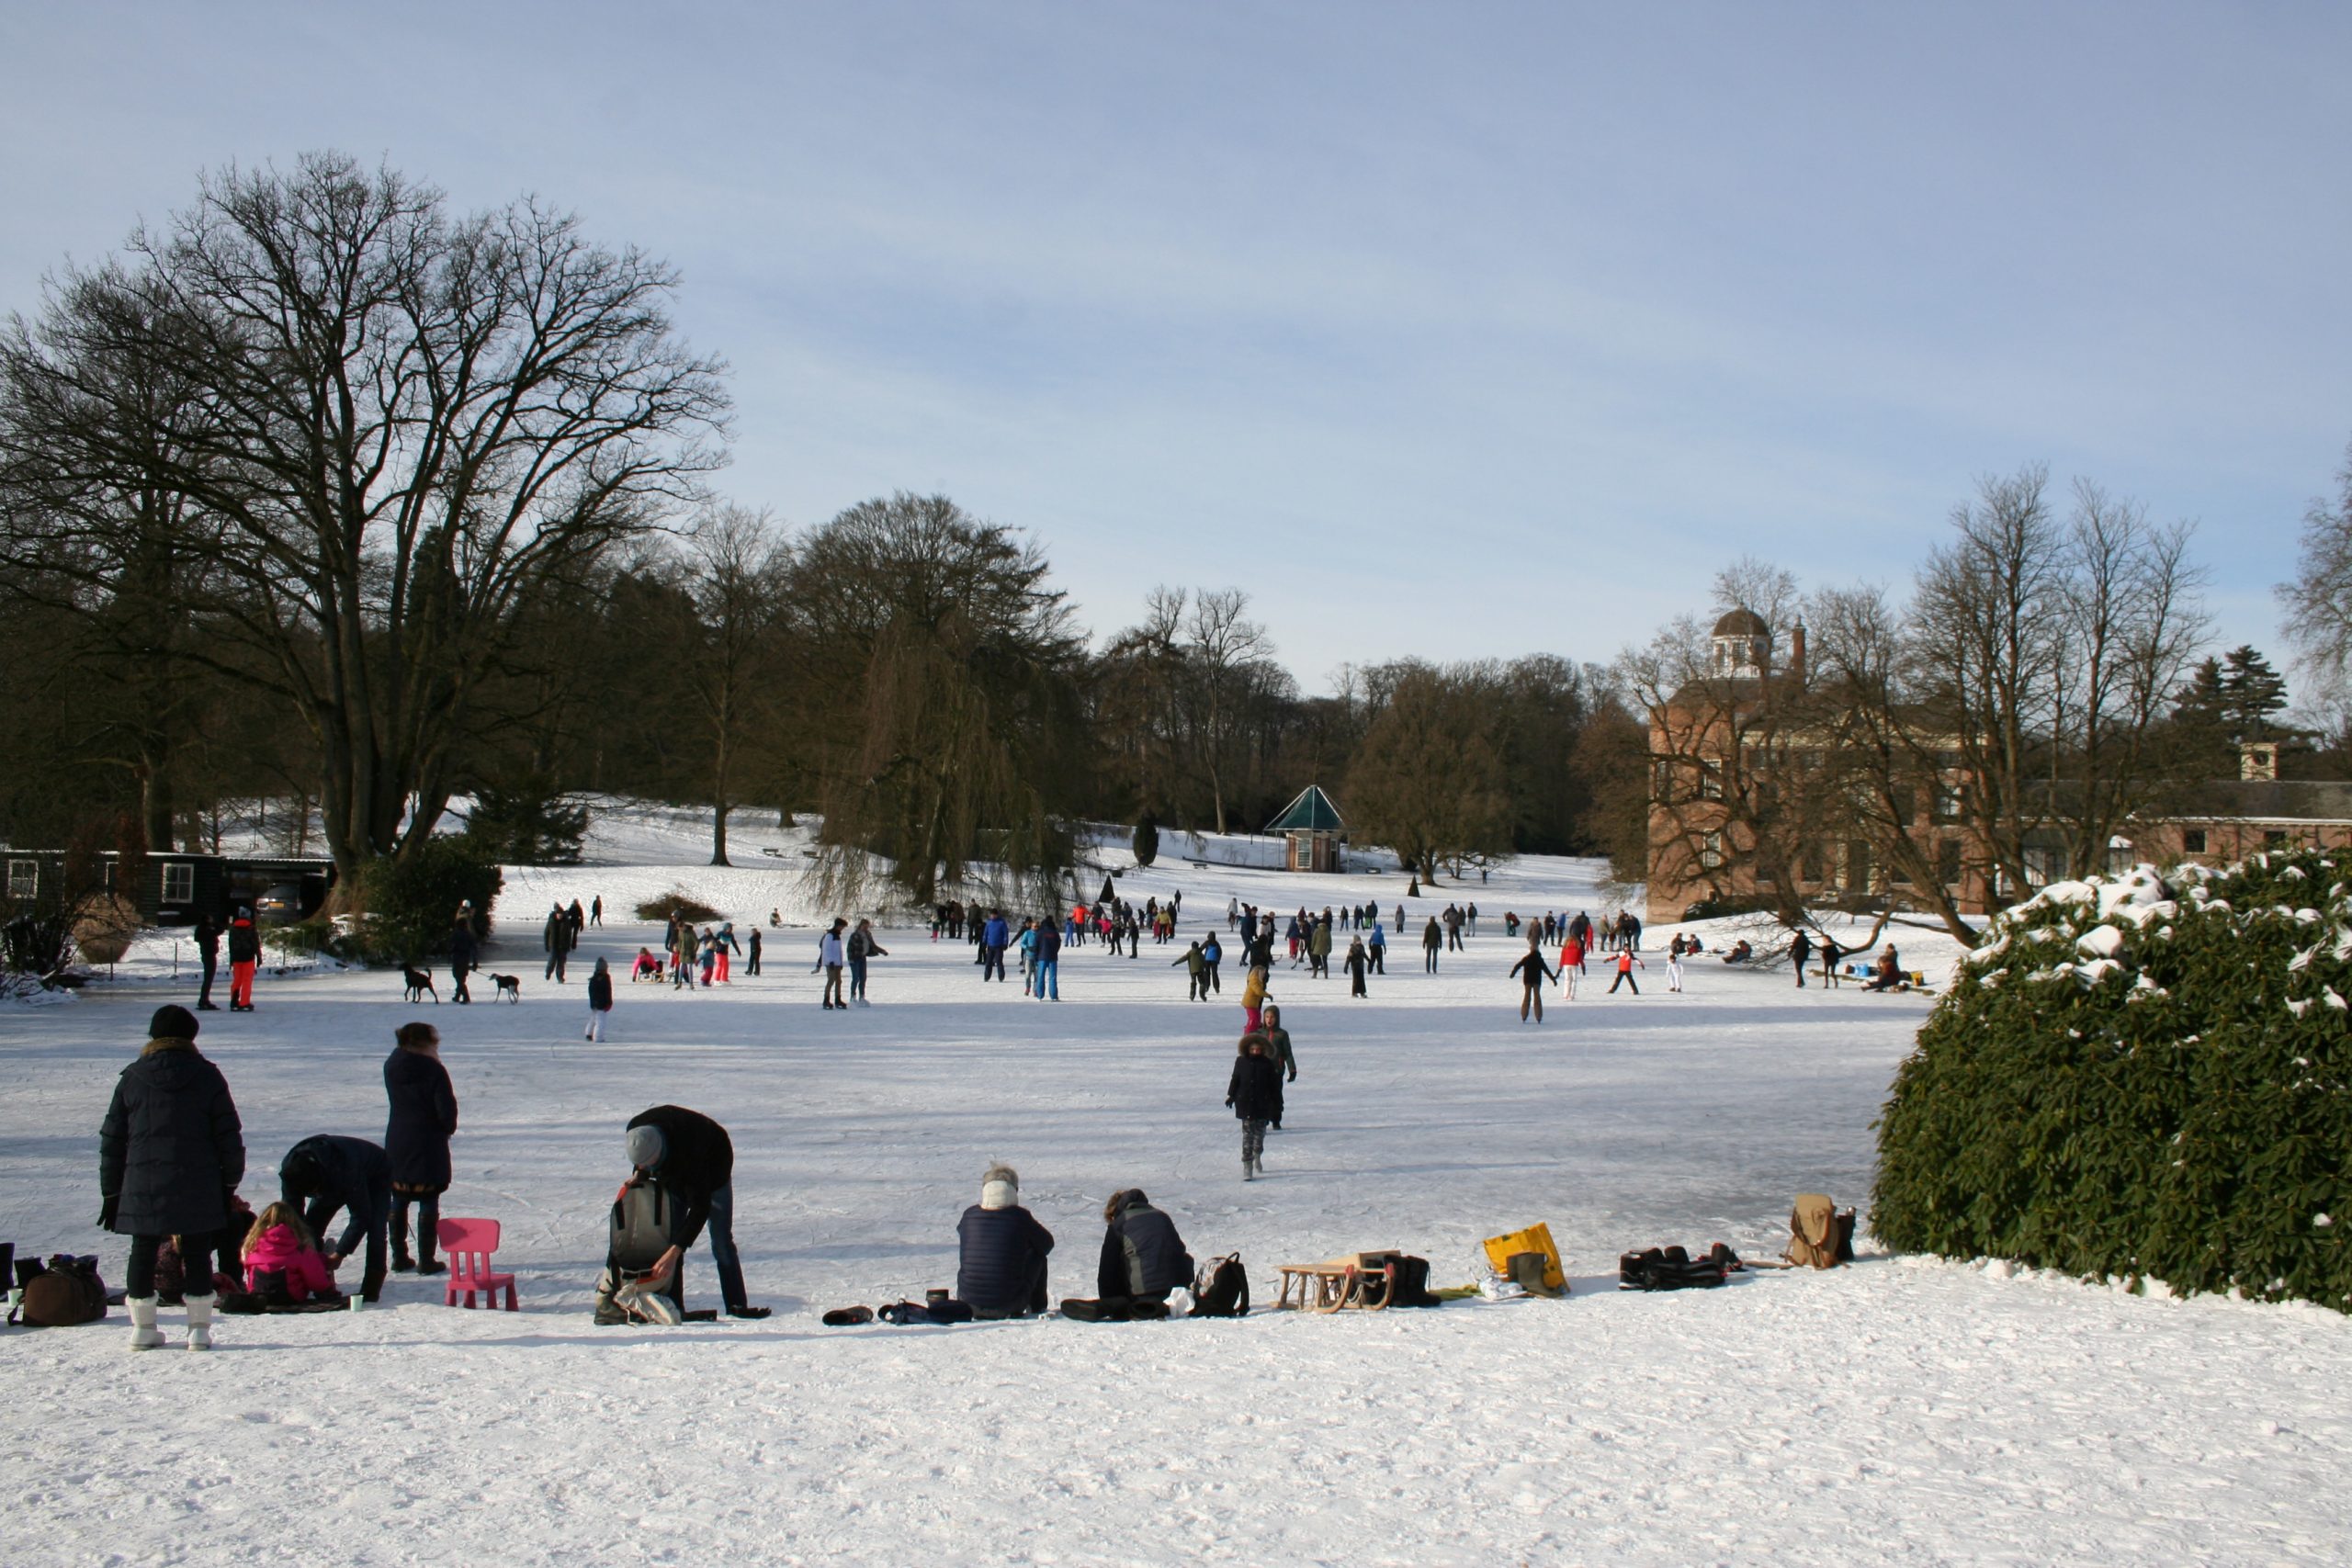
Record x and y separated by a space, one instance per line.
1743 644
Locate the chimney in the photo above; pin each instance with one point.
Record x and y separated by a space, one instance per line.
2258 760
1796 655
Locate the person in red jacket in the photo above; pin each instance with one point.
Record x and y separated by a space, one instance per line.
1571 964
1625 965
244 955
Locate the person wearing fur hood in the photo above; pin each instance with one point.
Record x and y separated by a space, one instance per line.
170 1152
1001 1251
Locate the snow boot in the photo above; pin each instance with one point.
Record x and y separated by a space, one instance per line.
199 1323
1249 1171
144 1335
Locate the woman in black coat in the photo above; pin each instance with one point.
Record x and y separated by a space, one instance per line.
1255 1092
170 1154
417 1140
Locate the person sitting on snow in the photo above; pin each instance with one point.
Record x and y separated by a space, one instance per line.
1001 1251
1143 1257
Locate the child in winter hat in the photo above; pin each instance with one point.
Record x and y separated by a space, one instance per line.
1000 1188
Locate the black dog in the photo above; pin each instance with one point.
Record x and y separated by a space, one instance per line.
509 988
419 982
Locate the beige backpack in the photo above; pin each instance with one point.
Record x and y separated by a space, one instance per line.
1821 1235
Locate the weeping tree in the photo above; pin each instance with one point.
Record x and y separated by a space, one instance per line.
946 732
376 427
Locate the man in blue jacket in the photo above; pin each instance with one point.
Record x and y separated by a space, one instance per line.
1046 963
993 938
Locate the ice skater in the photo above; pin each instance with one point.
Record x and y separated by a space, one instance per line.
1255 1093
1532 972
1626 964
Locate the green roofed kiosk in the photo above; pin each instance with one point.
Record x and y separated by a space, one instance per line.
1312 826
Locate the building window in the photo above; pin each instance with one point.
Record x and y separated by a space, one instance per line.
2274 839
1946 806
1948 863
2192 842
179 882
1662 781
1710 851
1711 782
24 878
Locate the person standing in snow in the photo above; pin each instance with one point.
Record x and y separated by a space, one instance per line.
1212 956
207 949
1358 963
992 940
1830 954
830 955
600 1001
1233 914
244 957
1318 948
1196 967
170 1152
1001 1251
1626 962
1377 948
1532 972
1800 950
596 910
1431 939
463 950
1255 1093
1253 998
728 948
1279 1052
751 952
423 1119
1046 963
862 946
556 937
579 918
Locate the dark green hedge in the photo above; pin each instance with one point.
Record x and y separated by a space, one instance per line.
2176 1107
411 903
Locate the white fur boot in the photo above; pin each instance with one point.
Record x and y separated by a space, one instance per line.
144 1335
199 1323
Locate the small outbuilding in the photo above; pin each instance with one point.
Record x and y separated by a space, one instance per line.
1312 826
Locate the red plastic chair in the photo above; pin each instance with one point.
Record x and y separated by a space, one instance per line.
469 1244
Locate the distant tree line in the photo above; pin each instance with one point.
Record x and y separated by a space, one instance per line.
324 493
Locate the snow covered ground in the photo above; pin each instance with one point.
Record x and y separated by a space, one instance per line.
1899 1411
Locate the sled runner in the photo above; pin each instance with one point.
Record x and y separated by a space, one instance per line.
1364 1282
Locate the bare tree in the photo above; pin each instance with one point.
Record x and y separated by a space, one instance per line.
2319 600
390 423
738 569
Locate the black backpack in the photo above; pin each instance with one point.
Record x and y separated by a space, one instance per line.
648 1220
1223 1289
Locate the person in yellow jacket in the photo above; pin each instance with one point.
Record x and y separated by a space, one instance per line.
1253 997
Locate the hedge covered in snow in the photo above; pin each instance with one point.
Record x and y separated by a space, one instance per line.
2136 1078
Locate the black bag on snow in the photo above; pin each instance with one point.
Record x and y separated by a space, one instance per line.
1672 1268
1223 1289
1412 1286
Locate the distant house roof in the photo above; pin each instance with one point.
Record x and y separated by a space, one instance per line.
1311 812
1742 623
2272 800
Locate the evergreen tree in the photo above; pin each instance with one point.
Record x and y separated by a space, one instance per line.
2251 692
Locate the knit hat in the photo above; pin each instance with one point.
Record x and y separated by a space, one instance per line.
646 1146
171 1021
1000 1188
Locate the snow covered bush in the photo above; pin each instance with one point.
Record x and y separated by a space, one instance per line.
2137 1079
676 905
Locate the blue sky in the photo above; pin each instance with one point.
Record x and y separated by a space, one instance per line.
1451 331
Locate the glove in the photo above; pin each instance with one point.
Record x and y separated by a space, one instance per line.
106 1208
1293 1076
1229 1102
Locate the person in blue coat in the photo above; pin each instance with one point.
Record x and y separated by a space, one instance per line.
171 1153
1045 962
328 1175
1001 1251
993 939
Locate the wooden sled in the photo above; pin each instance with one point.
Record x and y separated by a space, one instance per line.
1365 1282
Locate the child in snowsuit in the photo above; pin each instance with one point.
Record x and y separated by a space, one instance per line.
280 1244
1255 1092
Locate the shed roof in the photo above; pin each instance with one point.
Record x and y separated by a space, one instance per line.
1311 812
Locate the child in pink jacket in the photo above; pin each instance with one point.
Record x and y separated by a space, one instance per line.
280 1243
